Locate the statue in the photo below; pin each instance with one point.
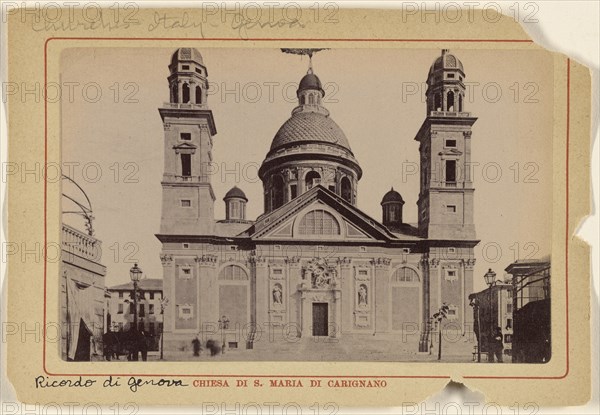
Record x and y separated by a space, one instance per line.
277 295
362 296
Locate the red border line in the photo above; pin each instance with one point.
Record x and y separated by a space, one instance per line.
303 376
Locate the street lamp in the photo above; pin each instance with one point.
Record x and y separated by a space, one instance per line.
475 304
163 304
223 325
490 280
135 273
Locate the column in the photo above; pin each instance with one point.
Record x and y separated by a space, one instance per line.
208 291
347 306
260 270
382 306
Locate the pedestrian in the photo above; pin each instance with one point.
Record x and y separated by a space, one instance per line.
143 345
497 346
196 346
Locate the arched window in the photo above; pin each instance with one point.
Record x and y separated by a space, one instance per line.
312 179
437 102
198 95
405 274
450 101
346 190
277 192
311 99
319 222
174 93
186 93
233 273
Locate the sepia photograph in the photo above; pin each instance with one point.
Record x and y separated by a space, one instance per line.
321 204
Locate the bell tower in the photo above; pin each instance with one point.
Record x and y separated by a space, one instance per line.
189 127
446 197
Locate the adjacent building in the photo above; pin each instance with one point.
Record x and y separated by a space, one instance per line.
314 265
121 307
531 304
82 286
493 307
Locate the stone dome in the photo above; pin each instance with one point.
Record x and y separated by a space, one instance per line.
392 196
235 192
446 61
187 54
307 127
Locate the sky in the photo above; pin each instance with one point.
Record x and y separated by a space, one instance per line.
375 95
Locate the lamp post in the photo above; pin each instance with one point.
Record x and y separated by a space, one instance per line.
135 273
223 325
475 304
163 304
490 280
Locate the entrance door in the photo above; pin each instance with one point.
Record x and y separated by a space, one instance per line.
320 321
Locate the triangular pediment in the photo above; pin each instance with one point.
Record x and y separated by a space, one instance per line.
319 214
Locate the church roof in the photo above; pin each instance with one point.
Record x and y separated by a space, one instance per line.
305 127
371 229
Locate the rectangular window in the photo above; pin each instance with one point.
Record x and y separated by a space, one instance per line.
185 67
186 136
362 272
186 203
186 245
152 295
142 310
186 165
141 326
198 70
120 309
277 271
451 171
120 294
451 250
151 328
131 308
509 323
451 143
509 308
450 75
406 250
293 191
451 208
150 308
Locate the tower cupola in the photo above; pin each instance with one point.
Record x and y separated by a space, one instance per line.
445 84
188 82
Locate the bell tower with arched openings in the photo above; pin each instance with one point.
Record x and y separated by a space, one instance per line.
446 197
189 127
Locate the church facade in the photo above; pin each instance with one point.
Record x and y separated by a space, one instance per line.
313 265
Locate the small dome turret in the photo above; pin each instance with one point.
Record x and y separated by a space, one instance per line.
235 204
391 205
